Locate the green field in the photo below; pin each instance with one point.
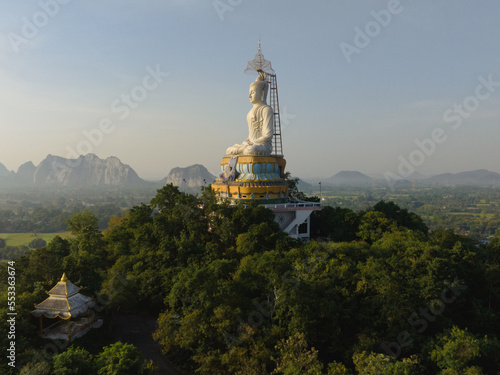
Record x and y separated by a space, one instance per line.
18 239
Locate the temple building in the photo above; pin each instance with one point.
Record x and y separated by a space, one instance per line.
71 311
255 169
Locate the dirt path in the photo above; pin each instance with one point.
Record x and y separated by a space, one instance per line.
137 330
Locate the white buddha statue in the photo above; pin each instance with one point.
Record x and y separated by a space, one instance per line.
260 123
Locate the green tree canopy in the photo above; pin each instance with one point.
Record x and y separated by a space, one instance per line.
85 222
119 359
37 243
401 216
73 361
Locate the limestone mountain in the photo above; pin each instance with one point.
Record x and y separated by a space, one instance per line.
4 172
25 173
7 177
88 170
191 177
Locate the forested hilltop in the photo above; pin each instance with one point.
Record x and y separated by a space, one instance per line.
234 295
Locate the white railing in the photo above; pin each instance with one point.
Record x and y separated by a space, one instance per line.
293 205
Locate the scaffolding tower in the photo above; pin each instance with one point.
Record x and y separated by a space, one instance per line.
275 104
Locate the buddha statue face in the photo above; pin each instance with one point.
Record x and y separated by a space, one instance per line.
255 95
258 91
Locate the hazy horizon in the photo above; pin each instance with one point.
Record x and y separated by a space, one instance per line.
215 172
361 86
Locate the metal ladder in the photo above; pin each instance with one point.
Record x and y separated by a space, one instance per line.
274 102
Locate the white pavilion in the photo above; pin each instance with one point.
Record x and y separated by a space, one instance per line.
72 310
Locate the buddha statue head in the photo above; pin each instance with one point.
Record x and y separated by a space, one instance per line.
258 89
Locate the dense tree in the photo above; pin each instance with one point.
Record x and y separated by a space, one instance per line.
13 252
37 243
338 224
36 368
373 225
235 295
447 238
81 223
381 364
73 361
457 352
116 359
86 259
119 359
401 216
295 358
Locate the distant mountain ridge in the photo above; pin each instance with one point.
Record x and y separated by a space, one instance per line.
479 177
4 171
88 170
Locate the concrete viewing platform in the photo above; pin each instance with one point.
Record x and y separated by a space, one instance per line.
294 217
294 205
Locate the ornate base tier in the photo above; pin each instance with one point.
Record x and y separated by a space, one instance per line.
247 178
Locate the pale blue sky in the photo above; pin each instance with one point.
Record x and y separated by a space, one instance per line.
362 115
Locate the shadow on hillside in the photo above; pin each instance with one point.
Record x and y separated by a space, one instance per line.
138 330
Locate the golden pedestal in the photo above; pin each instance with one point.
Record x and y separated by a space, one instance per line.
246 178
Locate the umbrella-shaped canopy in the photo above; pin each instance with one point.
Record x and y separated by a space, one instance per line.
259 63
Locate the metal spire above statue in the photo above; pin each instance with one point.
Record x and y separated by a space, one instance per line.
259 63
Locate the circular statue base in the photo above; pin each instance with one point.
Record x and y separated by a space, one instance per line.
247 178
